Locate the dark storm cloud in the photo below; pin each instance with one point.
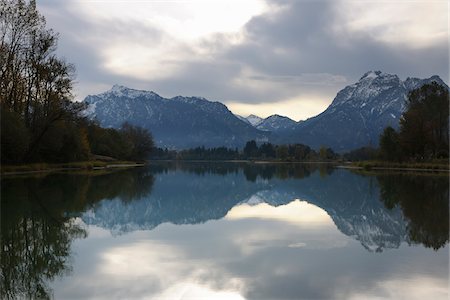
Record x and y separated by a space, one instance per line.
303 33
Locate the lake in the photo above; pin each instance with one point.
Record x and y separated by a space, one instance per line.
225 231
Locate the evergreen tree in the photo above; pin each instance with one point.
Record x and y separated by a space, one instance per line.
390 144
424 129
250 149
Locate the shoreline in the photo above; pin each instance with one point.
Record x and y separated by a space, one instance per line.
245 161
393 169
337 164
100 165
77 166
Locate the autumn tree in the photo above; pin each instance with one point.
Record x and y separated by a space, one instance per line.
140 141
35 87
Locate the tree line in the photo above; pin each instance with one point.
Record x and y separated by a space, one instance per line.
40 122
251 151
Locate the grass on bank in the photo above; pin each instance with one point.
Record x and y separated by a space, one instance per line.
438 165
81 165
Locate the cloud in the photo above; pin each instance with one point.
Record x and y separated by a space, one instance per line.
253 56
308 37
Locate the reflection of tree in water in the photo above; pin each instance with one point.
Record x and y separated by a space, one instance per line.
197 168
283 171
424 201
251 170
127 185
37 229
36 237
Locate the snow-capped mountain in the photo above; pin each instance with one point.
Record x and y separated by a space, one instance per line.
359 112
179 122
277 124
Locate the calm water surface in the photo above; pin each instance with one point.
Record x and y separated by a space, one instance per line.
225 231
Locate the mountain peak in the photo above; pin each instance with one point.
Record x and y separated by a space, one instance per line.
254 120
276 123
277 116
123 91
118 87
371 74
254 116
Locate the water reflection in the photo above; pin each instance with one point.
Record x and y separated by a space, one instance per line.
36 236
37 228
196 193
260 218
424 203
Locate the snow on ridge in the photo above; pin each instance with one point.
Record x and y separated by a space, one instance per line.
90 110
123 91
254 120
371 75
242 118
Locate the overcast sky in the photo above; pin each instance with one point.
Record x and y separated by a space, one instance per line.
256 56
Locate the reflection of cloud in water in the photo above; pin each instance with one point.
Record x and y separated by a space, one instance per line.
415 288
248 257
143 265
296 212
191 291
162 263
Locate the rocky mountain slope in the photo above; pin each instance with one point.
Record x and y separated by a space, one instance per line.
359 113
179 122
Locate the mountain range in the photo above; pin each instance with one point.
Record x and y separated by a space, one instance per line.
355 118
179 122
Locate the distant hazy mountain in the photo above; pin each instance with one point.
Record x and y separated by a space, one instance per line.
359 112
273 123
180 122
277 124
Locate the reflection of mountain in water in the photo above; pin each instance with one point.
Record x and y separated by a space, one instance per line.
352 201
180 197
177 197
